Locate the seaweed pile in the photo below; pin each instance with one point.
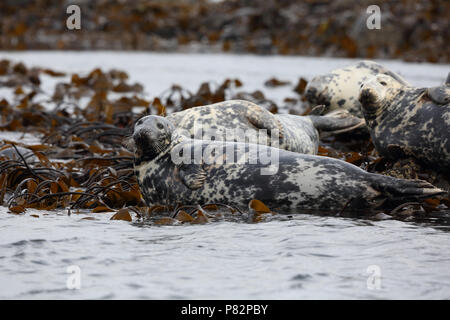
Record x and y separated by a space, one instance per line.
411 30
82 165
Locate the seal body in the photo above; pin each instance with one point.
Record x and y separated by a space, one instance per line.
239 120
234 173
340 87
405 121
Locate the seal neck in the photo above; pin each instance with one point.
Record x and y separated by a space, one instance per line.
386 108
149 155
372 114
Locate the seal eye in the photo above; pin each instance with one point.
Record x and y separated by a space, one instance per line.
159 125
383 83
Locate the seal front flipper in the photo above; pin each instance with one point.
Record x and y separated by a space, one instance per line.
264 119
439 95
193 176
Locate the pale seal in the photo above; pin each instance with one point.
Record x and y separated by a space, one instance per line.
406 121
235 120
340 88
292 181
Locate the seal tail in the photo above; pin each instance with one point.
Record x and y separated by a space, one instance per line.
402 190
337 121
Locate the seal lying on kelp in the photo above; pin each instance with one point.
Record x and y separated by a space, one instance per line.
171 169
406 121
235 120
340 88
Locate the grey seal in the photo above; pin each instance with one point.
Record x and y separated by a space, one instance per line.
405 121
340 87
233 120
292 181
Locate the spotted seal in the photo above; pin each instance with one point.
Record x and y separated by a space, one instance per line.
406 121
234 120
292 181
340 87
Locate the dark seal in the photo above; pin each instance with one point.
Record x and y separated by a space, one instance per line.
233 173
406 121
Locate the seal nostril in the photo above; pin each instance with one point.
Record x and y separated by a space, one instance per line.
136 137
139 136
365 95
383 83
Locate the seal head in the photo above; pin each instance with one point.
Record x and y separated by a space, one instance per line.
152 135
376 93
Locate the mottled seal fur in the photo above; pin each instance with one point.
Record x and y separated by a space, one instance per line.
406 121
298 181
293 133
340 87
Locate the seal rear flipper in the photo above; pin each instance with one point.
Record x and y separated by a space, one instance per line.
337 122
403 190
193 176
439 95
